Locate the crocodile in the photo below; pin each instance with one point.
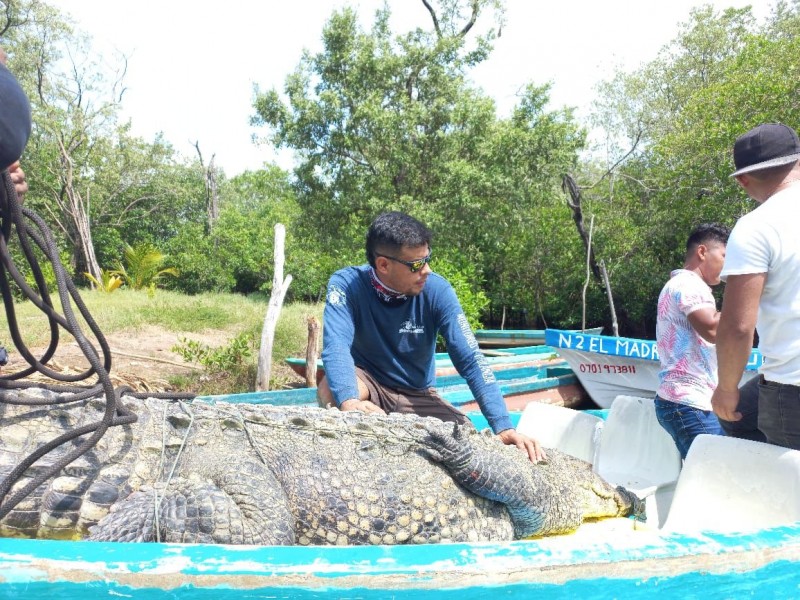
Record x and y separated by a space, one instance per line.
205 472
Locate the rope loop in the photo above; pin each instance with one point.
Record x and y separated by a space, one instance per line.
30 231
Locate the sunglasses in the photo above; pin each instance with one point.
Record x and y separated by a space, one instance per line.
413 265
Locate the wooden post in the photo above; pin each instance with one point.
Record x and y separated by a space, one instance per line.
588 272
614 324
311 351
279 287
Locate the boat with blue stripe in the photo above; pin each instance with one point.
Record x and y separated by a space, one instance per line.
509 338
608 366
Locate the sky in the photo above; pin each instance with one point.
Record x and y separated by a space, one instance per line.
192 64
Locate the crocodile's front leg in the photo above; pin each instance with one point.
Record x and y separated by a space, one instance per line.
241 505
490 475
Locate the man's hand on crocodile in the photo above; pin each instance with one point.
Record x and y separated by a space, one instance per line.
523 442
364 406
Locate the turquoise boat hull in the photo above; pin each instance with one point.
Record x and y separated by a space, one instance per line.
496 359
518 384
710 566
626 560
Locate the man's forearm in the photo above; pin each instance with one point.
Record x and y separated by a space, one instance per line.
737 323
733 352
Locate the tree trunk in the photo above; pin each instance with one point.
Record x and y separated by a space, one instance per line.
568 185
279 288
78 212
614 324
588 275
212 194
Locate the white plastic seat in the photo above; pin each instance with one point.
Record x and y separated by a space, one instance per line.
638 454
734 485
574 432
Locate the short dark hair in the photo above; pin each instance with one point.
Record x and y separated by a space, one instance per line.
390 231
706 233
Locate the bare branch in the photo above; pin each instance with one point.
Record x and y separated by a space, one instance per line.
199 154
12 20
472 19
8 19
619 162
434 18
120 78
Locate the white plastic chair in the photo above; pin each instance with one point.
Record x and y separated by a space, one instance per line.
638 454
734 485
571 431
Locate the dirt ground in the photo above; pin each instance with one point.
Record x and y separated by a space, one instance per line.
141 359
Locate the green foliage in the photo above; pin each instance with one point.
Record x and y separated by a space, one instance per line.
462 275
142 267
224 359
108 245
196 257
382 121
238 254
47 270
47 274
385 122
721 75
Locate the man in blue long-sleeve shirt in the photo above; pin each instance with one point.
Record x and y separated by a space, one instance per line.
379 335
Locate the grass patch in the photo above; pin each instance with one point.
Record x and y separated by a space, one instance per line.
291 339
130 310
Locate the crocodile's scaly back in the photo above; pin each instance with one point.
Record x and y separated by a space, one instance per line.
238 473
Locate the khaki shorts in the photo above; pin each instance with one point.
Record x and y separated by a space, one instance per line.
426 403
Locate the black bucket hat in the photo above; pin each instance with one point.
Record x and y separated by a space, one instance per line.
765 146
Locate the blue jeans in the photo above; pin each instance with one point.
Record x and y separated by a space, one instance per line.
779 413
685 423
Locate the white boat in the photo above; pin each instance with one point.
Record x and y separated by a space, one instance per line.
511 338
608 366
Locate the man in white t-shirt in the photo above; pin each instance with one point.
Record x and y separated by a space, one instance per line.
762 271
686 329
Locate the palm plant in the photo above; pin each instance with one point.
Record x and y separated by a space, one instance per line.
108 282
142 266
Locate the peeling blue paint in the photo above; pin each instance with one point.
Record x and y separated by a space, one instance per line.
715 565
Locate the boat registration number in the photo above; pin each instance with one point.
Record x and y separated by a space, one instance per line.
615 369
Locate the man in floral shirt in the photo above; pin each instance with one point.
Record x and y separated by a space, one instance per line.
686 330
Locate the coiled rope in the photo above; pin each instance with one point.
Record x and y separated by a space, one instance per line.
30 229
